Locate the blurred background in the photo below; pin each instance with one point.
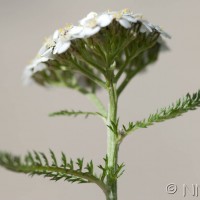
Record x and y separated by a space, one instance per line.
154 157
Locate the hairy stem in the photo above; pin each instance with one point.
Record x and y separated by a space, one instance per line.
112 143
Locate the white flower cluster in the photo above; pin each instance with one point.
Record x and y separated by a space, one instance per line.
90 25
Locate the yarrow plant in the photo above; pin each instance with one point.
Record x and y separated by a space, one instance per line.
105 51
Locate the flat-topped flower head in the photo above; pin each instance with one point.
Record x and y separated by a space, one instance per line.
91 47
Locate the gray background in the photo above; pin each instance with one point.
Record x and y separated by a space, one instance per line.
154 157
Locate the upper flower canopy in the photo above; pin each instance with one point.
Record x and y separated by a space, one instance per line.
90 48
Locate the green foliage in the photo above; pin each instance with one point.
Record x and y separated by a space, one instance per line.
72 113
37 163
137 62
187 103
90 63
114 126
113 174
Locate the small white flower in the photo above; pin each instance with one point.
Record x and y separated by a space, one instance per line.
149 27
55 35
126 18
104 19
40 67
63 41
92 23
61 46
145 27
40 59
31 69
47 49
87 31
125 23
27 75
161 31
88 19
75 32
122 21
163 45
130 18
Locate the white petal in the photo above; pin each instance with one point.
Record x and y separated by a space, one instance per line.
137 16
29 70
64 47
56 35
48 53
87 32
40 67
89 17
42 49
58 45
124 23
27 75
129 18
146 26
75 31
163 33
40 60
104 20
163 45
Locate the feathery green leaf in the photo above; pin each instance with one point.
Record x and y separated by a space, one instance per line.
183 105
39 165
72 113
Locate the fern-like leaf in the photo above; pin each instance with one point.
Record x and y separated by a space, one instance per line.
72 113
38 164
183 105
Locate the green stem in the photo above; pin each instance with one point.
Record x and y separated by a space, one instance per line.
112 143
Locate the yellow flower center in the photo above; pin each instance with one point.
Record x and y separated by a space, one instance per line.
118 15
92 23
